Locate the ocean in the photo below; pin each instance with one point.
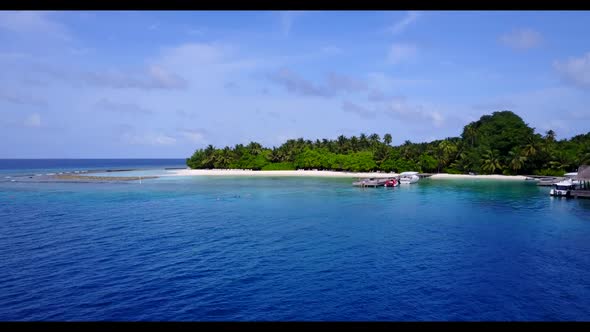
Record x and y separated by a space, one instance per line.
10 167
288 249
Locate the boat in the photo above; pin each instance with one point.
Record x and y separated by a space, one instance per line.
371 182
408 177
563 188
548 181
572 176
391 183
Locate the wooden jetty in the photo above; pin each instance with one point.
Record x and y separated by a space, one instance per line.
549 181
580 193
380 182
424 175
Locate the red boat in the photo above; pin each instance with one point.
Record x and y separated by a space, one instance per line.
391 183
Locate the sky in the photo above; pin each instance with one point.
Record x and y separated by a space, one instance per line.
149 84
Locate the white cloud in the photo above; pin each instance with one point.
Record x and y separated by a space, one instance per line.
151 78
400 52
164 140
522 39
205 64
358 110
575 71
402 24
33 120
203 53
384 82
154 77
19 98
331 50
339 82
119 107
194 136
492 106
287 18
297 84
196 32
151 139
376 95
413 114
160 78
32 22
185 114
334 83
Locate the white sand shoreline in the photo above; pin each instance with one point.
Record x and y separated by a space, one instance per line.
241 172
446 176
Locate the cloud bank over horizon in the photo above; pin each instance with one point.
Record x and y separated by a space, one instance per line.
162 84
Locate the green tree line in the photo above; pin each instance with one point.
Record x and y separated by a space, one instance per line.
500 143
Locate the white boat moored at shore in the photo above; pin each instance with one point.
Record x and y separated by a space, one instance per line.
563 188
408 177
371 182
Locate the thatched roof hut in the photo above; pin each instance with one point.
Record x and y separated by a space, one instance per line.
583 173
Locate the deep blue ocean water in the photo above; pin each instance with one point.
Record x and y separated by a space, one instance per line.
269 249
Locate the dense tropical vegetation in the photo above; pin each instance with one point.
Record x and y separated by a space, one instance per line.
501 143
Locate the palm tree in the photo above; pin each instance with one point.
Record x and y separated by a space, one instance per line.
554 164
491 162
516 160
254 148
387 139
374 139
354 143
209 156
209 150
445 149
275 155
341 141
471 133
300 143
222 158
462 162
550 136
363 142
531 147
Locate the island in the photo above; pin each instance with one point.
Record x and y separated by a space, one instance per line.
500 144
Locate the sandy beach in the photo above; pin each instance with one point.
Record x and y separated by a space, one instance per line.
446 176
238 172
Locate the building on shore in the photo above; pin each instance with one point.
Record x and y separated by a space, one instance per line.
584 178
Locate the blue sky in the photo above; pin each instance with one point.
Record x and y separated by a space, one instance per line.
161 84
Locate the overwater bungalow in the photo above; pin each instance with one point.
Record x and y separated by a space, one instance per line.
583 177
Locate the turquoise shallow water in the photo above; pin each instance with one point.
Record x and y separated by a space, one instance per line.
235 248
